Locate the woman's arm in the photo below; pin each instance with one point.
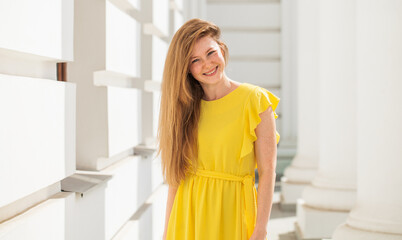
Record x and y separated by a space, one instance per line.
265 152
171 194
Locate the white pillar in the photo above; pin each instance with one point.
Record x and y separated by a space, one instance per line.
302 16
327 201
288 75
195 9
288 81
378 210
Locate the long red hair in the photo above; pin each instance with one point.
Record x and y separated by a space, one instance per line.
181 100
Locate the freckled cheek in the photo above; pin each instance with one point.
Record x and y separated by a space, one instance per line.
194 70
219 59
221 65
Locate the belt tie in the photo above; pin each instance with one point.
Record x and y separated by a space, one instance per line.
249 193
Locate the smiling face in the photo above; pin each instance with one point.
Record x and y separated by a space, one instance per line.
207 62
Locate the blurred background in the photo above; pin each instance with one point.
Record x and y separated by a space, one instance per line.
79 101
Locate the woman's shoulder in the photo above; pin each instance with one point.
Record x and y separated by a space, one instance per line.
252 89
257 94
248 92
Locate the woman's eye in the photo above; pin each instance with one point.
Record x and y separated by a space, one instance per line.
194 61
211 52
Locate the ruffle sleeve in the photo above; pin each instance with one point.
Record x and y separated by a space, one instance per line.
259 101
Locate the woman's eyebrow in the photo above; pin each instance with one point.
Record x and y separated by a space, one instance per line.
205 52
209 49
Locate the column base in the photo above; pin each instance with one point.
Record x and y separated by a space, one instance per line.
345 232
290 192
293 182
316 223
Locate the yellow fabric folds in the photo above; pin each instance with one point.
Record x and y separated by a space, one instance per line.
256 105
249 194
219 201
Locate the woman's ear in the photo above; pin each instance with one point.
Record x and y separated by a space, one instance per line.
223 54
222 51
222 48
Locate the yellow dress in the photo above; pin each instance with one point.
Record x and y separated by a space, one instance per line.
219 202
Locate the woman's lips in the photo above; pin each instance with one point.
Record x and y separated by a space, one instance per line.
212 72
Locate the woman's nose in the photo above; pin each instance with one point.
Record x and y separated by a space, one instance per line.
207 64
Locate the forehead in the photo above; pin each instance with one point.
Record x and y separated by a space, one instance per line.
203 44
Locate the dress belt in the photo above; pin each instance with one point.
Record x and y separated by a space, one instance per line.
249 193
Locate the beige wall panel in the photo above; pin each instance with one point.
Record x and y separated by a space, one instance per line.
159 51
178 20
41 27
49 220
261 44
244 15
160 15
122 42
37 140
261 73
123 119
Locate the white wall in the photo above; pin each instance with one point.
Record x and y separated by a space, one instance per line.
122 42
123 119
48 34
253 15
37 141
37 127
100 112
108 42
50 220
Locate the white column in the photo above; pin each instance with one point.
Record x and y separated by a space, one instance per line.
378 210
327 201
194 9
37 123
302 16
106 67
288 79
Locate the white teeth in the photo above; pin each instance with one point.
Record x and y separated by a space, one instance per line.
211 72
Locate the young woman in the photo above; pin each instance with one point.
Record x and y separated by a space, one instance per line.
213 132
